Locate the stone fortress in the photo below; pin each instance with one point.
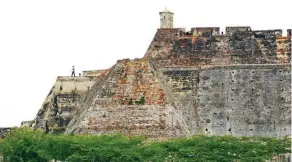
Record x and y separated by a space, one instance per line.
189 82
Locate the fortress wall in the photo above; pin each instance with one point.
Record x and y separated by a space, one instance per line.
120 97
240 48
195 84
230 30
4 132
269 33
242 100
205 31
283 49
161 44
66 84
92 73
64 97
246 100
132 80
147 120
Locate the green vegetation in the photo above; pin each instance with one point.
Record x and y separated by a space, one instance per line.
130 102
26 145
141 101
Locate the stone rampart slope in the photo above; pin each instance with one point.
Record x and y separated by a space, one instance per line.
64 97
130 101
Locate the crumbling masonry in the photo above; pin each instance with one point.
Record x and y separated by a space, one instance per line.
189 82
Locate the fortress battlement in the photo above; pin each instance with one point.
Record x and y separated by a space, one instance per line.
188 82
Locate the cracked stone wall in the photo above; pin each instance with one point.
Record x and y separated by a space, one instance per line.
148 120
204 78
242 100
284 49
118 106
203 46
162 43
92 73
64 97
246 100
195 82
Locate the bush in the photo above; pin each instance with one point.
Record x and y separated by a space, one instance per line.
141 101
25 145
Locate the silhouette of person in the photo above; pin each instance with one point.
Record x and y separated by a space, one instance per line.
73 71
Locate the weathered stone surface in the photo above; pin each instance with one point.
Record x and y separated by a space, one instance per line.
4 131
27 123
239 100
118 104
149 120
194 82
237 84
93 73
203 46
65 96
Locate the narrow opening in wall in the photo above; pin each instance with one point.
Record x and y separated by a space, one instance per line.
206 129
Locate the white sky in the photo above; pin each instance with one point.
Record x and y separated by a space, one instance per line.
40 40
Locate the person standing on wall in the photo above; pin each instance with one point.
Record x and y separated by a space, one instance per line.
73 71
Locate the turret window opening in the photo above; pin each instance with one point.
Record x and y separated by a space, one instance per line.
163 17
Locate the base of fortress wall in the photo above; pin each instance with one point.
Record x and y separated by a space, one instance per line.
242 100
152 121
